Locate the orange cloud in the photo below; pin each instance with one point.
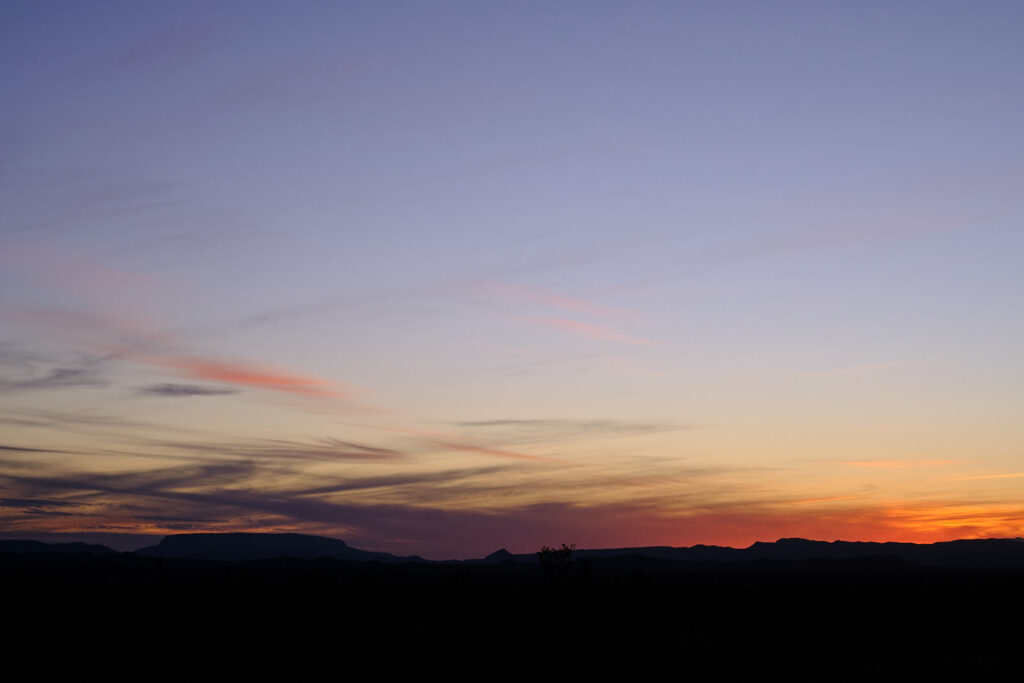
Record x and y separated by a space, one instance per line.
957 520
592 331
258 376
488 451
809 501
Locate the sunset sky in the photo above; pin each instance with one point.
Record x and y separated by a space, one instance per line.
445 277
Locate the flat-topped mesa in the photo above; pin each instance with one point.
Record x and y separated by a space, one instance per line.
254 546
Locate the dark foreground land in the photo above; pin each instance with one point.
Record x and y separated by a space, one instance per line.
625 617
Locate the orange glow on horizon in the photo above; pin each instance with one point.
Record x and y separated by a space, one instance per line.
611 526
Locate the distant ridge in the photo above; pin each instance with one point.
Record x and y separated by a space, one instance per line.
237 547
966 553
990 553
25 547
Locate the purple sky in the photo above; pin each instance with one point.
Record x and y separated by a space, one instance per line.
441 277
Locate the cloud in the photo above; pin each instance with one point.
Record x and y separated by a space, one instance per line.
19 449
34 503
415 481
566 425
483 450
78 421
592 331
60 377
25 371
324 450
185 390
815 501
523 431
246 374
130 339
460 512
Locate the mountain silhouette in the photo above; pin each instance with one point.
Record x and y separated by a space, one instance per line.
245 546
966 553
25 547
990 553
798 605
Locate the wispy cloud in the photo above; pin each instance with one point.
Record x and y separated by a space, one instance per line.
415 482
184 390
79 420
433 441
61 377
123 338
31 504
576 425
246 374
483 450
19 449
832 499
26 371
323 450
462 511
545 430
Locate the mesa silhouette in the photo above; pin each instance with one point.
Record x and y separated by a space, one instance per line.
238 547
807 606
241 547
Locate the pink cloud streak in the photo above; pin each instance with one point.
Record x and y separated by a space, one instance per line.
134 340
259 376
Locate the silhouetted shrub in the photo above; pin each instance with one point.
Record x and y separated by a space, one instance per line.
557 563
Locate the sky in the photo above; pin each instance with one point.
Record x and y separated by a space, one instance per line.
438 278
